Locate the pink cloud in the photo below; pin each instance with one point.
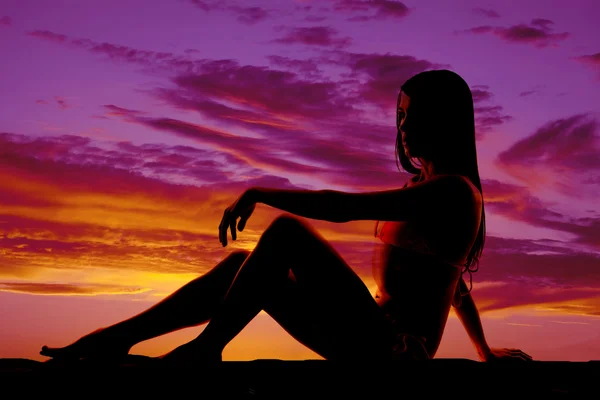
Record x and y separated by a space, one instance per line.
6 21
522 294
517 273
80 167
320 97
345 162
51 173
517 203
288 108
73 159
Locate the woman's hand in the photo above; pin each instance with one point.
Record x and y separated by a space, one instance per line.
505 355
242 208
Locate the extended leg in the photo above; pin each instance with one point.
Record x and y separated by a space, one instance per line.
327 306
191 305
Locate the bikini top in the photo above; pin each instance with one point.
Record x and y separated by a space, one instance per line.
418 244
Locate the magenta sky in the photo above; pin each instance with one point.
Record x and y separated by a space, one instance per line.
128 126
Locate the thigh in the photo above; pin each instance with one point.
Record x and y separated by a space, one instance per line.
315 263
332 332
324 304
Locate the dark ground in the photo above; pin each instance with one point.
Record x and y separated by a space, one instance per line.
141 376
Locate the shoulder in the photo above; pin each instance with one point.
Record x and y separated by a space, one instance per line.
456 186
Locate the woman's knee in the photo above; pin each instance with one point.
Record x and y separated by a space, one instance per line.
285 219
286 222
226 270
239 255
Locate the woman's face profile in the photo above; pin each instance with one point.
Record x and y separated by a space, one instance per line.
408 135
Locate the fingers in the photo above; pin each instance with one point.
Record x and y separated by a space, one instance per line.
523 355
227 222
223 228
519 354
232 228
244 217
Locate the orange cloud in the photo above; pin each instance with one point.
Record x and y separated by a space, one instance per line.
41 288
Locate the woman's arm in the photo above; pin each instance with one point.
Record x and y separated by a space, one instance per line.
315 204
443 192
469 316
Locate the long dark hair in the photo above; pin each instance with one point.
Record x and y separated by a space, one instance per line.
450 128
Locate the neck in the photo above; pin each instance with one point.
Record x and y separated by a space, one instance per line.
427 169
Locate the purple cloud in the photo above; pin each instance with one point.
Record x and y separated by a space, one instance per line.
152 59
61 154
538 33
524 273
272 91
530 92
561 154
486 116
61 102
314 36
114 111
308 68
6 21
289 109
591 60
319 97
246 15
367 10
78 166
486 12
251 15
376 78
206 6
517 203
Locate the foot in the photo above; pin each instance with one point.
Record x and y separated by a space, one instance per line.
192 354
99 344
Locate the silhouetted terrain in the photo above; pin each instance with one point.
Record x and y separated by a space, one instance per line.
143 376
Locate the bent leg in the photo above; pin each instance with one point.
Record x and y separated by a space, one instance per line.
326 306
191 305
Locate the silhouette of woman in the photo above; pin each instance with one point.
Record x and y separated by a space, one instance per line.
433 232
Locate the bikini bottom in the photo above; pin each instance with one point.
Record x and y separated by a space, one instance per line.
407 346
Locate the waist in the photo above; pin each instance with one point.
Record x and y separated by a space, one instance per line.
412 250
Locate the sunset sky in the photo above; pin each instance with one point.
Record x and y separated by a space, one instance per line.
128 126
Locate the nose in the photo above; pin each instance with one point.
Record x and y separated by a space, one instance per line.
406 125
404 131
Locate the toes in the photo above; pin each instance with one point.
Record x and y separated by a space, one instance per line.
46 351
54 352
